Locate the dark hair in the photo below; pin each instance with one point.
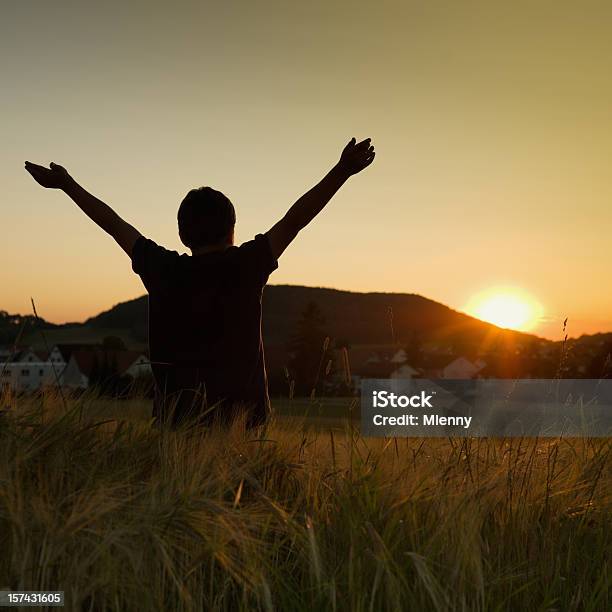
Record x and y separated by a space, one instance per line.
205 217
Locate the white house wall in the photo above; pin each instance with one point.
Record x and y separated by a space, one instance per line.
28 376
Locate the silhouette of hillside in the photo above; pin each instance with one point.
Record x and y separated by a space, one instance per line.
350 318
370 318
354 318
130 317
12 325
430 333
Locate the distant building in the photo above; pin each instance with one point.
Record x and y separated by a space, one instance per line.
379 361
404 371
61 353
87 363
462 368
28 375
458 368
29 355
24 369
70 365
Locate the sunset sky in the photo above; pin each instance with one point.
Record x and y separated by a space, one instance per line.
491 122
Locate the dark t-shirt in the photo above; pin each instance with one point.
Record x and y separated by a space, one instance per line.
205 337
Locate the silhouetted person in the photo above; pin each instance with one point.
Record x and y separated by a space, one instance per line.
205 338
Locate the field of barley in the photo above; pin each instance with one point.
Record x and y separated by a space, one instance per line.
122 516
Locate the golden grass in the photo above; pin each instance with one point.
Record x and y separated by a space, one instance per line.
124 517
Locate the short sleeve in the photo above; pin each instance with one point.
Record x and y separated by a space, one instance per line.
257 259
154 264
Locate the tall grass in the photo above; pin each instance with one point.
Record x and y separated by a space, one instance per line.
122 516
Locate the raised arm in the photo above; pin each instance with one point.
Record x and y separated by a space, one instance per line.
56 177
355 157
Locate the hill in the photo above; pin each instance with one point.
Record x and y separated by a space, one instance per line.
355 319
432 333
14 326
350 317
376 318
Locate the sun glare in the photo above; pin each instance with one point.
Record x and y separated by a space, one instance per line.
506 307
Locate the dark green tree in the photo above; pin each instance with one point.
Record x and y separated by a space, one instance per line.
113 343
310 351
104 373
414 350
600 365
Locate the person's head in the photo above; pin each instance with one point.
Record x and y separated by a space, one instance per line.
206 218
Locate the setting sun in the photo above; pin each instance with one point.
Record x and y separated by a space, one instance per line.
506 307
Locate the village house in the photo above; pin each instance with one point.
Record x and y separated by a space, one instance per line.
379 361
384 361
85 364
27 376
23 369
60 353
459 368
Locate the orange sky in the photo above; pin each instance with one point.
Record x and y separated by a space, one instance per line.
491 122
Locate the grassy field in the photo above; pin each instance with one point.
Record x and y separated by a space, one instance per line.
124 517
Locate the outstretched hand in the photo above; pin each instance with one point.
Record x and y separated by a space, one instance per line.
356 156
54 177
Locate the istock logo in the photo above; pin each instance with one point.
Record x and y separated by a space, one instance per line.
384 399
